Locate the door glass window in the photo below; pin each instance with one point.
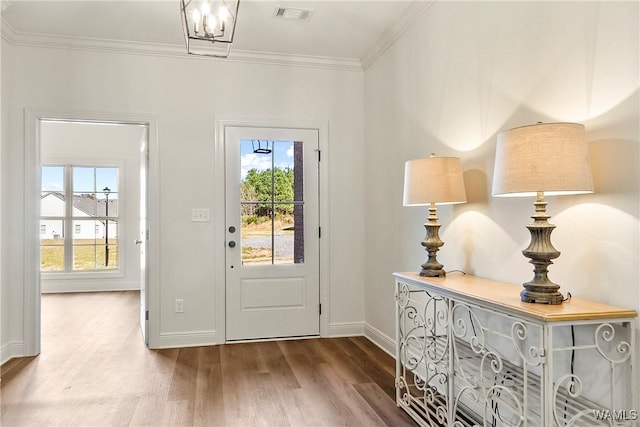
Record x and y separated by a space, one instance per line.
272 202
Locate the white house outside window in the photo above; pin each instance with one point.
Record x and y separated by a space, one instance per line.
85 199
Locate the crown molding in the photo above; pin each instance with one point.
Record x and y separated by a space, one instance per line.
49 41
6 31
389 37
346 64
410 15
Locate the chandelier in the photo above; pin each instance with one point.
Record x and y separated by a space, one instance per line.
209 26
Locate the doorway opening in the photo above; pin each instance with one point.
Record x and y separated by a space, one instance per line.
90 202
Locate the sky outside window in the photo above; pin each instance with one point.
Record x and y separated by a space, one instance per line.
282 156
83 179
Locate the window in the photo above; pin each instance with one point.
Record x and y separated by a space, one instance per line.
85 198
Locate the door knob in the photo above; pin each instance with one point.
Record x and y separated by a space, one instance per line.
138 242
232 244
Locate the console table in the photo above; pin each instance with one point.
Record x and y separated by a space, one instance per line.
469 352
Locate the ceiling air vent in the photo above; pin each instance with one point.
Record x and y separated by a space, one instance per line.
293 13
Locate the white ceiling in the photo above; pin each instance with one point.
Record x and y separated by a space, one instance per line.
347 30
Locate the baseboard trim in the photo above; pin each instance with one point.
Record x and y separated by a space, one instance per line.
345 329
382 340
188 339
202 338
11 350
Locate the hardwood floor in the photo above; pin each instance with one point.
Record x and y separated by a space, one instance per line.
94 370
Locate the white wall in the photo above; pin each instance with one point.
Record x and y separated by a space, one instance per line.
186 95
463 72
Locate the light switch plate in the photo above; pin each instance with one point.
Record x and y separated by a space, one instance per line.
200 215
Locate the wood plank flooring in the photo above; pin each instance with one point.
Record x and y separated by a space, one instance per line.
94 370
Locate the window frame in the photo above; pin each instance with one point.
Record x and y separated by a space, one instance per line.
68 220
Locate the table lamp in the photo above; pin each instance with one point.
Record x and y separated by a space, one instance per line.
534 160
430 182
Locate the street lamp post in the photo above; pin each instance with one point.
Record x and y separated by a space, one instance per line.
106 190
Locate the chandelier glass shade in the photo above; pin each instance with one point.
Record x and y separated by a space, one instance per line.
209 26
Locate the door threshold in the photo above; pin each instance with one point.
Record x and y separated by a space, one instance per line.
301 337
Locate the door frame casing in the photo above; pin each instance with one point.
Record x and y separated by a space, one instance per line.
32 159
221 123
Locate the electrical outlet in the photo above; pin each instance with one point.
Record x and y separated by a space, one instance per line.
179 306
200 215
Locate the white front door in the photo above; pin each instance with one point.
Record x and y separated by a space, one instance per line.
272 233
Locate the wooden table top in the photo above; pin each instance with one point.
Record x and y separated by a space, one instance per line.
506 296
